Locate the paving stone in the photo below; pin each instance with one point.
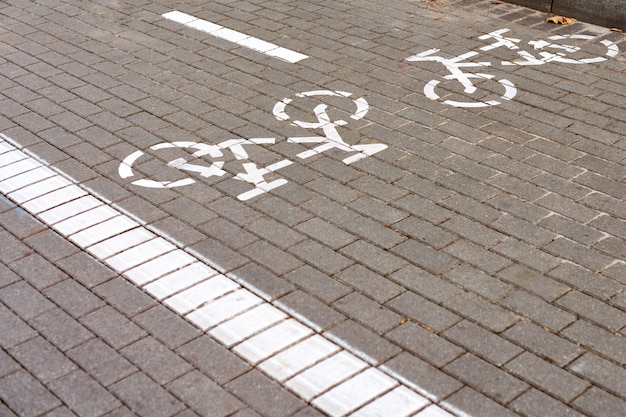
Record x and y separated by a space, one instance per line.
538 310
475 403
425 344
596 403
52 246
204 396
213 359
368 313
424 312
477 256
318 284
38 271
101 361
145 397
326 233
425 232
535 403
593 309
365 343
602 341
25 395
479 282
486 378
169 328
594 284
543 343
83 394
73 298
85 269
482 311
310 310
113 327
264 395
321 257
547 377
25 300
601 372
42 359
373 257
156 360
124 296
425 256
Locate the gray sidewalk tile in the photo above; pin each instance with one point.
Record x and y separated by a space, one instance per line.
423 311
547 377
477 281
535 403
310 310
602 341
25 300
486 378
535 308
368 312
42 359
101 361
124 296
425 344
318 284
596 403
204 396
83 394
113 327
482 311
145 397
593 310
73 298
475 403
171 330
370 346
156 360
24 394
264 395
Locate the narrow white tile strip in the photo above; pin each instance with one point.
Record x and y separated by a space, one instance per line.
325 374
272 340
70 209
179 280
200 294
401 402
247 324
355 392
224 308
102 231
234 36
299 357
314 367
158 267
25 179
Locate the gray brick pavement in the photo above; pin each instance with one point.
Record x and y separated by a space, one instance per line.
482 251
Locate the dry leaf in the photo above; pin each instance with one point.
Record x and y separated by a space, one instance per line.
618 30
560 20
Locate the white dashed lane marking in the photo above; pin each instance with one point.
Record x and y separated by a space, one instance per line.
316 369
239 38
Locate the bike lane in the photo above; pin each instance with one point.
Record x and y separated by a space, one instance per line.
405 257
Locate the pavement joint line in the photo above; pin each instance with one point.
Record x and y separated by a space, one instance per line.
331 377
234 36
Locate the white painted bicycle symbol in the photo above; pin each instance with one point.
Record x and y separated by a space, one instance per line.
247 171
545 52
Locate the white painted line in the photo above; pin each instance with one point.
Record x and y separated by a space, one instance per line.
234 36
315 368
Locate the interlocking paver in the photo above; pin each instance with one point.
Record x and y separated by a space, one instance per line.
467 213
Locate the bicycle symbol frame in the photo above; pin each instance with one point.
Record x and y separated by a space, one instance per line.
454 65
253 174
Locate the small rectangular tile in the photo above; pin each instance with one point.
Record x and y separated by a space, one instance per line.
11 157
105 230
70 209
272 340
119 243
179 280
84 220
434 411
39 188
144 252
25 179
17 167
229 35
53 199
356 391
299 357
287 55
201 293
247 324
158 267
317 379
224 308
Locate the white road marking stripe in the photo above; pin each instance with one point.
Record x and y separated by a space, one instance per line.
238 38
313 367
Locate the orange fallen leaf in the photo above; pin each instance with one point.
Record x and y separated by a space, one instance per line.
560 20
